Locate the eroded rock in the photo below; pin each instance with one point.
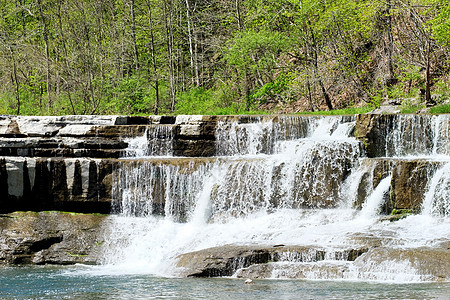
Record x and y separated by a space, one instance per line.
50 238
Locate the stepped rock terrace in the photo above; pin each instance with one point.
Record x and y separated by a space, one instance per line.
67 163
247 196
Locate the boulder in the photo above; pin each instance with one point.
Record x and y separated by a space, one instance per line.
50 238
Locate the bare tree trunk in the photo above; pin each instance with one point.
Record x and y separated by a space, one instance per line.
14 78
310 99
89 66
153 55
191 48
246 75
390 80
66 61
428 77
169 40
425 37
133 35
316 70
47 54
238 15
247 91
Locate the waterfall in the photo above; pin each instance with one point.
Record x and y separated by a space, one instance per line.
156 141
304 172
437 198
372 205
417 135
276 181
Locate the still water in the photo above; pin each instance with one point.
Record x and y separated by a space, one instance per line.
78 282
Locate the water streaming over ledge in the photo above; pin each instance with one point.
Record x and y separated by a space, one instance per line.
292 181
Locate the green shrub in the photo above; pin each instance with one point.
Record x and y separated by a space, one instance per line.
198 101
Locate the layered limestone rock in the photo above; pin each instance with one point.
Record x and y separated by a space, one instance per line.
67 162
79 185
50 238
102 136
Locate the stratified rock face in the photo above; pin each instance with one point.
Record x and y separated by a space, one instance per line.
50 238
67 163
79 185
408 185
103 136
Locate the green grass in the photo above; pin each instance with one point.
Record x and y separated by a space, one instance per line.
440 109
410 109
345 111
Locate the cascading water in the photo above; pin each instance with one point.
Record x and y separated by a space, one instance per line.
437 198
156 141
418 135
290 181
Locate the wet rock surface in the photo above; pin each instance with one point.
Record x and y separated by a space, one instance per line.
300 262
395 135
226 260
429 264
408 186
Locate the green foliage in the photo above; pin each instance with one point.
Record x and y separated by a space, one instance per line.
132 96
196 101
398 214
271 90
410 109
377 99
255 50
440 25
200 101
217 57
442 90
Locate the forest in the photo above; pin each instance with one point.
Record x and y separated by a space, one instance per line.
141 57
